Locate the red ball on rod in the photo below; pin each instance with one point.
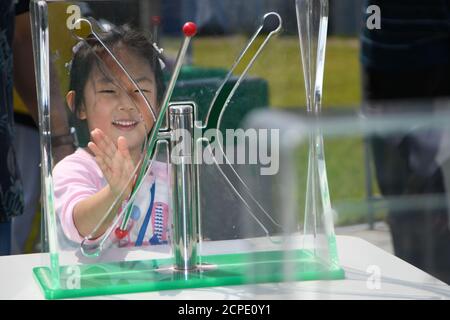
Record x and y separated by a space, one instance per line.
190 29
120 234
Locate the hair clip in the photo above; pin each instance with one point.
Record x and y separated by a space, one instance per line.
160 52
158 49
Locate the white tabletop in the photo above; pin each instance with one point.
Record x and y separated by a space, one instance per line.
364 265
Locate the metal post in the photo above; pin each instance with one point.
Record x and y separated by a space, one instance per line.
183 178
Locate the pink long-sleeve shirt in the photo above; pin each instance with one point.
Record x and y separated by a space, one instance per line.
78 177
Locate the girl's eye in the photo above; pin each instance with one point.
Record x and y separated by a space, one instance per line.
107 91
143 90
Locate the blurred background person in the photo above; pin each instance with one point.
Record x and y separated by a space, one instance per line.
17 69
406 67
26 233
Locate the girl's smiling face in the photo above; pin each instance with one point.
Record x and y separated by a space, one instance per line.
113 104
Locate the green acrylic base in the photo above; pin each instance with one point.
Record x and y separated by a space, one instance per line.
157 275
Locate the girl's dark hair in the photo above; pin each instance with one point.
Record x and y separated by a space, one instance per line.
89 50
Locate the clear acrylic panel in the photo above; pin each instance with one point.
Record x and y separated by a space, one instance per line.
148 201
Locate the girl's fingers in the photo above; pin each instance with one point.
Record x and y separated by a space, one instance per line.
121 158
104 167
109 144
95 149
96 138
116 163
111 175
127 163
102 143
99 154
122 146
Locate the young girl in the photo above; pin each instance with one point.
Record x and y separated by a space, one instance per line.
87 183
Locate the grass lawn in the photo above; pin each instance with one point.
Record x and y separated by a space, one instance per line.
280 65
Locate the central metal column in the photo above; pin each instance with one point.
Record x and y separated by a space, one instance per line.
183 179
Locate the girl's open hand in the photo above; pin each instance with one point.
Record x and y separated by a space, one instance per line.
115 162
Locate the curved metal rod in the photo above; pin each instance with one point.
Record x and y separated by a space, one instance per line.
249 209
235 190
238 60
219 121
230 95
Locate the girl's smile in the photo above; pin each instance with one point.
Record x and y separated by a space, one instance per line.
125 125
